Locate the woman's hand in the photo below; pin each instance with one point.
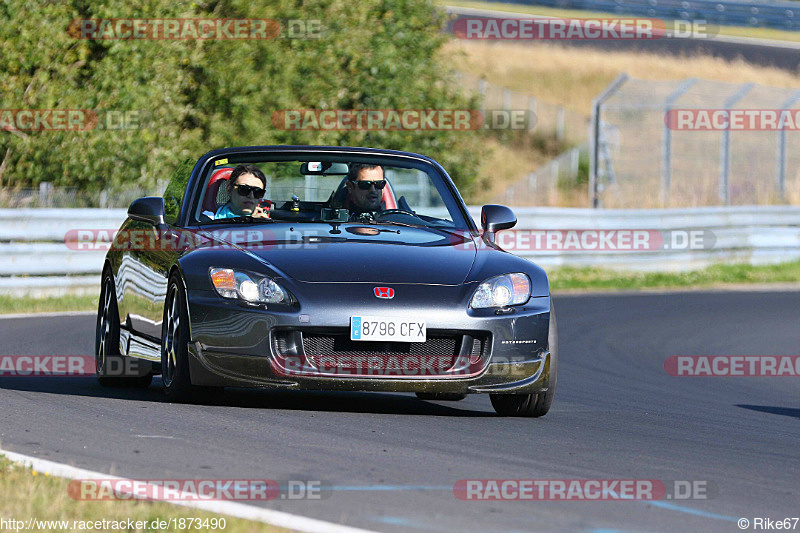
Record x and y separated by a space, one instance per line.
259 212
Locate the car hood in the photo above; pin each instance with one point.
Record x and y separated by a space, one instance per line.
414 255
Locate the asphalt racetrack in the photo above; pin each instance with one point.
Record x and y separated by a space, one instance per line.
389 461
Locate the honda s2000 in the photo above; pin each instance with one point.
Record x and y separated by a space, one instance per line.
326 268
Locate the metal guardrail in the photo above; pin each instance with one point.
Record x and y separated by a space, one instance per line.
35 260
753 235
771 14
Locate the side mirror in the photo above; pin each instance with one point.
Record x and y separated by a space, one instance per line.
494 218
148 209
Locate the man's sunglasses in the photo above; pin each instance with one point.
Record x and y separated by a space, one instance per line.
247 190
364 185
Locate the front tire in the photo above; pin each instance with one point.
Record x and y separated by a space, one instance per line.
175 378
534 404
106 347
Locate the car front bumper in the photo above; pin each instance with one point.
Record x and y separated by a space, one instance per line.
234 345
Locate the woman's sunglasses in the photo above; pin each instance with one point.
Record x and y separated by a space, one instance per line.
247 190
364 185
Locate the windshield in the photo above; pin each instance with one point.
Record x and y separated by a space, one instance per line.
325 188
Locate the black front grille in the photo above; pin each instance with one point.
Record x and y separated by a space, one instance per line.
332 348
317 344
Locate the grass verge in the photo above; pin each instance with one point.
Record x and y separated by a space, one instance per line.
714 276
729 31
13 304
573 77
28 494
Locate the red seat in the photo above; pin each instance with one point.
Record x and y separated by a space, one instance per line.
218 179
388 197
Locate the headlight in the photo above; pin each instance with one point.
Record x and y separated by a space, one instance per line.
248 286
502 291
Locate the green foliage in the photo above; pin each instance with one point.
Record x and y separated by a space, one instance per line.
196 95
173 195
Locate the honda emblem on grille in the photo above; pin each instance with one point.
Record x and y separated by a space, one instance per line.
387 293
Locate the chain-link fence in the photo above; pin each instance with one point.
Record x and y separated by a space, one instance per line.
552 120
694 142
556 182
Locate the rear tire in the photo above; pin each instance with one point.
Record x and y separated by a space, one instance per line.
534 404
106 347
441 396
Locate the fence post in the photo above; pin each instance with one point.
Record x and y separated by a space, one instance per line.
594 137
532 181
560 124
45 193
781 184
666 147
725 148
534 119
482 90
574 163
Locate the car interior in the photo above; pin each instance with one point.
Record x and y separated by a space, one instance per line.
216 195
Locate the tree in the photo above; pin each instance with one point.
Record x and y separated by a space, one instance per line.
190 96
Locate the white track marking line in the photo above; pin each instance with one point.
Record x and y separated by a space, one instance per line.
235 509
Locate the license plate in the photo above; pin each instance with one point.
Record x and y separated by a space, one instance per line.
383 328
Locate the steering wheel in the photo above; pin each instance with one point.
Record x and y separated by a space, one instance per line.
395 212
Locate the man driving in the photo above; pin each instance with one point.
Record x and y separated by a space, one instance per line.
365 183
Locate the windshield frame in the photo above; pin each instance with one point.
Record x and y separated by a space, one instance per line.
449 194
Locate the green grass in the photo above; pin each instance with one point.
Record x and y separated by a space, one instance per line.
717 275
28 494
11 304
731 31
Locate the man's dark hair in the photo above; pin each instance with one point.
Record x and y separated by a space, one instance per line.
355 168
247 169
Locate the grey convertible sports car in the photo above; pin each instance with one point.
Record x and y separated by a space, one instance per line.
311 267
